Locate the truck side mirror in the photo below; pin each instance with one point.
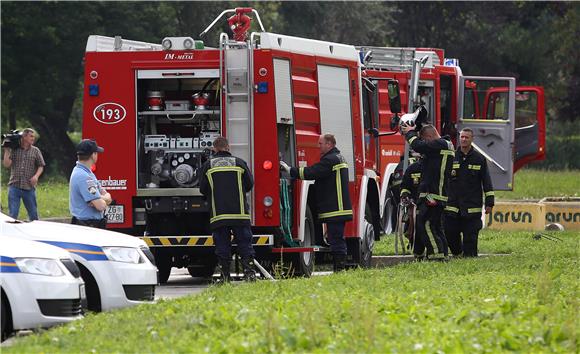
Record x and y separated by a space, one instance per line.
394 96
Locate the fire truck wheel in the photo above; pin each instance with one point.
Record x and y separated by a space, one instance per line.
201 270
363 250
388 217
164 269
304 262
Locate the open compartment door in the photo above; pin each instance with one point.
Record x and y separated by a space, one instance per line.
487 106
530 126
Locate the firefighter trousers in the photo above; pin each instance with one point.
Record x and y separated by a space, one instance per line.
336 237
468 227
428 230
222 237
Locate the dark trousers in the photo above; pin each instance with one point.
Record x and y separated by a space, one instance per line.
469 227
428 225
222 237
336 237
97 223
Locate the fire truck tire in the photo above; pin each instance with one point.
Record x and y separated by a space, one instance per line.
163 269
363 250
201 271
304 261
387 223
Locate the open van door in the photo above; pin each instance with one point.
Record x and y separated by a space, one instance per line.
530 135
487 106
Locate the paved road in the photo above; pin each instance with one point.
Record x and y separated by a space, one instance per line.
180 283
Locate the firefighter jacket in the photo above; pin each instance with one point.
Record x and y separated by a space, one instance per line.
331 185
411 180
468 183
438 158
224 181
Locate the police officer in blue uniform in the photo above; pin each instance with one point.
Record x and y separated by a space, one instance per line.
88 200
332 196
224 181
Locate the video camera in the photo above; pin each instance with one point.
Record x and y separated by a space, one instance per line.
12 139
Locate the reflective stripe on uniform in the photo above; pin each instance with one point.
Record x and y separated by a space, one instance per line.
434 196
339 166
474 167
430 235
396 183
445 154
452 209
338 189
230 216
239 171
489 194
412 139
456 165
405 191
474 210
301 172
334 213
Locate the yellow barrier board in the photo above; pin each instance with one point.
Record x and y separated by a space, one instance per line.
534 216
565 214
516 216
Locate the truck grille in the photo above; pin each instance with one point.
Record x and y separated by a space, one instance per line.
60 308
72 267
140 292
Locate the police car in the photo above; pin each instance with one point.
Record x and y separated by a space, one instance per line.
40 285
118 270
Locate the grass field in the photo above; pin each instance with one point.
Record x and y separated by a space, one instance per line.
526 302
51 197
537 184
52 194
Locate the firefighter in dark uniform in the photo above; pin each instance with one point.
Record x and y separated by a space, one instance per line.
410 193
225 180
468 184
332 197
411 180
438 157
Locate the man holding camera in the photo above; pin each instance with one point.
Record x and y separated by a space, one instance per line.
26 164
88 200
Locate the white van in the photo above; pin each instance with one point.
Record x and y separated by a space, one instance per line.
40 285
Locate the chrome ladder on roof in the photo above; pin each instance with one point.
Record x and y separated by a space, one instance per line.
236 71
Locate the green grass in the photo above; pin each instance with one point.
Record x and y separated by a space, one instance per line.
525 302
51 197
490 242
537 184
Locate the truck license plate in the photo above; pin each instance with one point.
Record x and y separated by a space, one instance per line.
115 214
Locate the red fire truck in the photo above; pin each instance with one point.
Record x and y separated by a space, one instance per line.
156 108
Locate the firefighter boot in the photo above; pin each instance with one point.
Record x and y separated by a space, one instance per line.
249 269
225 277
339 261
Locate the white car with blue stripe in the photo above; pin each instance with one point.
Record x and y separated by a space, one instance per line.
118 270
40 285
